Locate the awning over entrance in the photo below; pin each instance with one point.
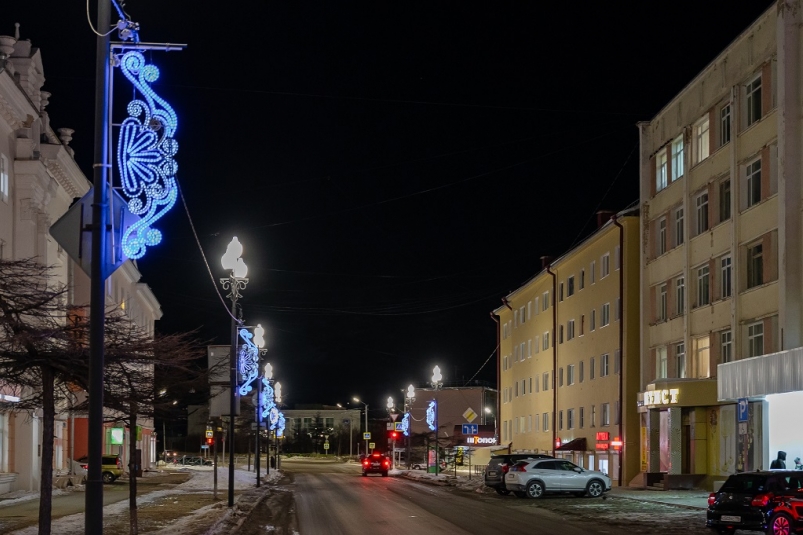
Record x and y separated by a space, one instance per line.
775 373
578 444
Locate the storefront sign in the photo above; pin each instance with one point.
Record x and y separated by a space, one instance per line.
603 435
481 440
661 397
604 446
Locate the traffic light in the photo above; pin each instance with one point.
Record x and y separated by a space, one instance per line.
210 441
393 435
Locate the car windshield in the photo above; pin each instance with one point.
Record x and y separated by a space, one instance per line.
745 483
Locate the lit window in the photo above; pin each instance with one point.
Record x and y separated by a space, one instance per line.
660 170
677 158
701 139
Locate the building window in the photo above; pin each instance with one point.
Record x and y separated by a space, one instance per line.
545 301
592 273
753 172
560 292
661 245
702 358
582 323
560 420
570 374
726 346
755 339
582 278
703 291
546 381
724 200
593 323
591 367
605 268
680 295
755 265
661 367
660 170
537 344
726 276
570 286
753 93
522 314
570 419
581 370
5 186
724 125
560 377
604 365
582 417
535 306
560 337
677 158
662 303
702 212
680 360
605 318
593 415
606 415
569 330
701 139
545 419
546 341
679 234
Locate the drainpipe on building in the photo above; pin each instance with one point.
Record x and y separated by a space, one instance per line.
554 357
498 377
621 341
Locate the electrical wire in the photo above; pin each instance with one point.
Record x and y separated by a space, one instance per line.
483 365
92 27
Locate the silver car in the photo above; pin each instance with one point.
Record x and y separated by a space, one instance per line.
534 477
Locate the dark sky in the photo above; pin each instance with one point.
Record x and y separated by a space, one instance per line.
392 168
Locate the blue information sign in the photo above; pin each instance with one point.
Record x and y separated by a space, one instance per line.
471 429
741 408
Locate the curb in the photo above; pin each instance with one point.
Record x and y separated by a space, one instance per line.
233 519
642 500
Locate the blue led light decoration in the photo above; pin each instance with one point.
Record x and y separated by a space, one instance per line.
266 403
280 425
431 416
145 151
247 361
405 424
274 418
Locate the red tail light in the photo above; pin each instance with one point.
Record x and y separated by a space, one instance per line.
85 466
385 463
119 463
761 500
712 498
518 468
365 462
505 468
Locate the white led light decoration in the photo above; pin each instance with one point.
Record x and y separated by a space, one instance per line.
405 424
145 151
280 425
266 403
431 416
274 418
248 361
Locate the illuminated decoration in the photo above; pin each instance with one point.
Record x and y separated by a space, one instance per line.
145 151
248 361
436 375
277 394
411 392
266 403
431 416
280 426
405 424
274 418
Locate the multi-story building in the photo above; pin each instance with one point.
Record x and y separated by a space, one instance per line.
569 354
721 261
39 179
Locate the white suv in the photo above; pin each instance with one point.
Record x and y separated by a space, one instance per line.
534 477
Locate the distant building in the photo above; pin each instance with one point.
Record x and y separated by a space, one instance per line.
722 262
310 427
457 405
569 353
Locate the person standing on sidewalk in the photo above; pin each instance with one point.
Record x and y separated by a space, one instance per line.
780 462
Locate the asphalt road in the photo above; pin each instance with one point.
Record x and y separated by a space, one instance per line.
335 499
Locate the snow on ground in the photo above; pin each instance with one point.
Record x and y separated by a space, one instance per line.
202 481
18 496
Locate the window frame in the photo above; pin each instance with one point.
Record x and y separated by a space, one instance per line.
753 171
752 92
754 337
680 360
680 295
725 276
725 200
661 168
754 265
725 117
726 346
678 158
703 285
702 139
680 234
701 212
5 179
605 315
605 268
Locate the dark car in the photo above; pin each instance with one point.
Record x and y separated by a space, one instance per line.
499 465
111 467
786 516
749 500
376 463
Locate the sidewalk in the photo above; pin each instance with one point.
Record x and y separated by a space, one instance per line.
690 499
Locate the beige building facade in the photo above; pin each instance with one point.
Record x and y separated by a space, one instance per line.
569 354
721 260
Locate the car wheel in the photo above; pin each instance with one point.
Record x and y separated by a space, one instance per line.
519 494
108 477
780 524
595 488
502 492
535 489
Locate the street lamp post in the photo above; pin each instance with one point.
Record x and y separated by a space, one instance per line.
391 405
235 282
366 422
259 341
409 399
437 383
351 427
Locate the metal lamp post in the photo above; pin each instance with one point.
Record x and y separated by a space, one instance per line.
235 282
366 422
391 405
277 398
409 399
259 340
351 427
437 382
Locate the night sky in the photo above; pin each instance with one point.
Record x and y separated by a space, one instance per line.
392 168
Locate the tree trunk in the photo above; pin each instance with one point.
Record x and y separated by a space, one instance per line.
48 419
132 469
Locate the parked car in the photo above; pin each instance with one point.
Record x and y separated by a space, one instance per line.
376 463
111 467
533 478
759 501
498 466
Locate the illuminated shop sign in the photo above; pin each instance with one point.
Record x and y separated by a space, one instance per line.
603 435
661 397
481 440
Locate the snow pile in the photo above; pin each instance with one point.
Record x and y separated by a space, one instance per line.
19 496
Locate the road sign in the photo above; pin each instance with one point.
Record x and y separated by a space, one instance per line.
371 445
209 432
326 445
742 428
471 429
71 231
742 407
399 426
390 426
366 436
470 415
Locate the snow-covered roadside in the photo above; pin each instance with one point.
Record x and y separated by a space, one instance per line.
201 482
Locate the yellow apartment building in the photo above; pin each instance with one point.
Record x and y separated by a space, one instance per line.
568 362
722 366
